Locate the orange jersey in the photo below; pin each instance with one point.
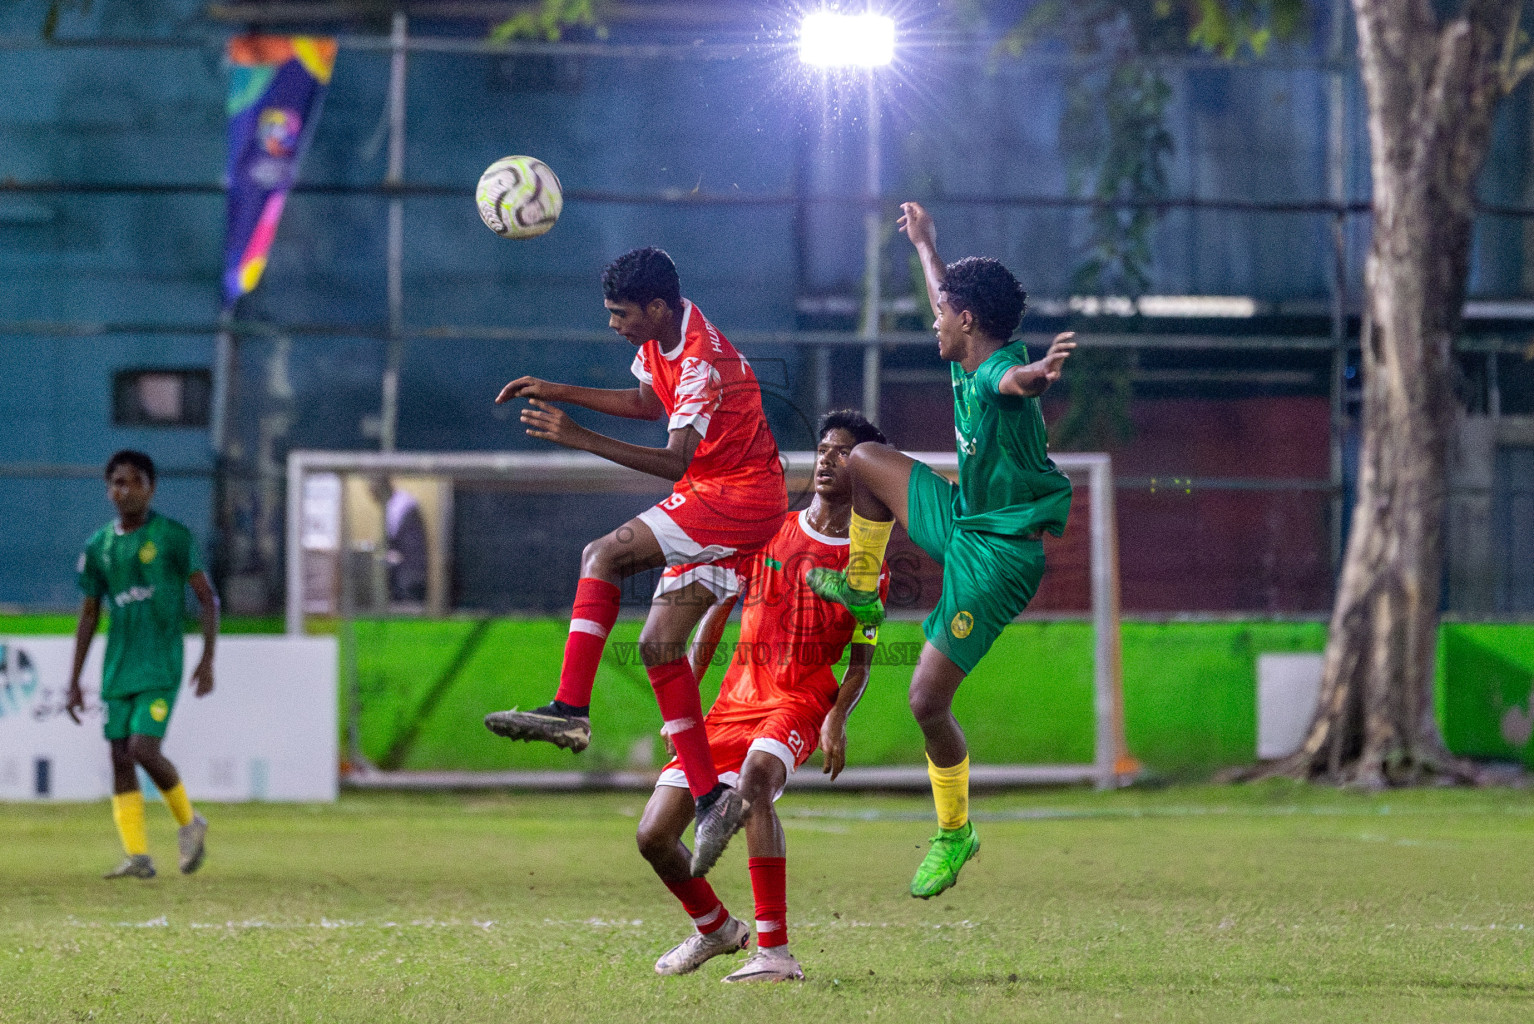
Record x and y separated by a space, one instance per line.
705 384
790 640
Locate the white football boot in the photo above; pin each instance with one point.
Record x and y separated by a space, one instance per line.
699 949
773 963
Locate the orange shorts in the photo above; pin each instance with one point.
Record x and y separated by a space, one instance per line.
791 733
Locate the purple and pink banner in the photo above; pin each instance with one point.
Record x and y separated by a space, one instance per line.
275 91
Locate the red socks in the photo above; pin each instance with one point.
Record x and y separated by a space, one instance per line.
698 899
596 609
676 690
769 884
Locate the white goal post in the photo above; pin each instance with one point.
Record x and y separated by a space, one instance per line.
316 513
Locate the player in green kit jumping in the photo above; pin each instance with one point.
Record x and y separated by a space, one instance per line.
986 530
139 566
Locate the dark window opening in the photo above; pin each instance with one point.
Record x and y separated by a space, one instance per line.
162 398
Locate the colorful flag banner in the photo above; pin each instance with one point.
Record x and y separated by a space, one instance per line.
275 92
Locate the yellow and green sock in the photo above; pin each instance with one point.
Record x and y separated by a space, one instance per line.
128 815
865 555
950 792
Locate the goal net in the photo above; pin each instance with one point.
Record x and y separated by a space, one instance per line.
448 577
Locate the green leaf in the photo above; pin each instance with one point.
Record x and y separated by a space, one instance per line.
550 20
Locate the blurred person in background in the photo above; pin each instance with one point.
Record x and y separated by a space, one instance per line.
139 565
405 538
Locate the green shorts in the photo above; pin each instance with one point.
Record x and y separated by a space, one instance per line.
988 578
143 714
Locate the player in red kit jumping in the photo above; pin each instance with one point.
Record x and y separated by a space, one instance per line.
728 500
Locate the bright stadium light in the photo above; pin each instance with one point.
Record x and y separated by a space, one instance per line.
831 40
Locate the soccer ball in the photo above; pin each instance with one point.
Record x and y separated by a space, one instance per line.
519 197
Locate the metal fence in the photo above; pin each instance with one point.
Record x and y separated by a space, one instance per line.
1231 417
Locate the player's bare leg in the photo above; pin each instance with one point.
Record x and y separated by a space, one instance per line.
605 562
933 686
717 932
761 778
124 775
663 649
881 477
145 752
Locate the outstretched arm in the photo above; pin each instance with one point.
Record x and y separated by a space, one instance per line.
631 403
1034 379
669 463
917 224
85 631
207 606
833 732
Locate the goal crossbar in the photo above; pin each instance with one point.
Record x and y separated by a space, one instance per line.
580 472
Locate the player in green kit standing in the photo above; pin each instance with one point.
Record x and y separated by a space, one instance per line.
139 566
986 530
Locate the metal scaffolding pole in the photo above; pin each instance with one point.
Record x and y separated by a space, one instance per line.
1336 190
868 328
388 428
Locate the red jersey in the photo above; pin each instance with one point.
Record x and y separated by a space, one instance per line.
790 640
705 384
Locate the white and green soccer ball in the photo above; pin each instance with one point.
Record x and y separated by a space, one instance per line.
519 197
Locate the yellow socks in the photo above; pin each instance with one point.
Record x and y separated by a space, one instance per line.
180 806
950 791
866 554
128 814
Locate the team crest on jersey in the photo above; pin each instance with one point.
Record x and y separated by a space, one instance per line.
159 710
962 625
147 552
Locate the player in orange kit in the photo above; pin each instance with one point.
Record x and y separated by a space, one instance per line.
728 500
778 701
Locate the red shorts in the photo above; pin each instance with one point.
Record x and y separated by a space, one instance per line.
705 537
790 733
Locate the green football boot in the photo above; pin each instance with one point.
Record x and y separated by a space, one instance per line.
831 585
940 868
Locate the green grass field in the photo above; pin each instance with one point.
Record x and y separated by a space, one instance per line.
1277 903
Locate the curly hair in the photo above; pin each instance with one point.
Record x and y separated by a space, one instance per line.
987 289
642 276
854 423
128 457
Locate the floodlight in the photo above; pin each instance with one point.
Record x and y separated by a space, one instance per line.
830 40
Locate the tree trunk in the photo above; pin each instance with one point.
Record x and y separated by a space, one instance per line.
1432 90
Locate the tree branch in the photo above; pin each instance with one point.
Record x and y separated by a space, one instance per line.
1445 86
1514 69
1395 43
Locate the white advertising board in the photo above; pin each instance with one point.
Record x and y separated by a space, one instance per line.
1288 690
268 731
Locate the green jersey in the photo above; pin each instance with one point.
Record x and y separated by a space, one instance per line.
1007 483
141 578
